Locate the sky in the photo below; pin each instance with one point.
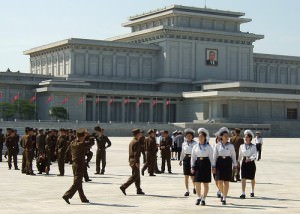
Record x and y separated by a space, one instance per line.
26 24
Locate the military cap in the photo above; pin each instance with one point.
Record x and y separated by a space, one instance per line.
135 131
248 132
189 131
98 128
26 129
30 129
62 130
150 131
9 129
80 131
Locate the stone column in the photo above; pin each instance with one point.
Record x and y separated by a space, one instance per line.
123 109
100 66
86 63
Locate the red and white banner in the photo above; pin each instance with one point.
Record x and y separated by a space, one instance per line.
32 99
81 100
140 102
15 98
49 99
65 100
110 101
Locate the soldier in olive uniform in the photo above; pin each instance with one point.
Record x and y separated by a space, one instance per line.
12 148
23 169
78 149
2 140
29 146
237 141
61 148
50 138
165 146
102 144
134 162
41 142
151 148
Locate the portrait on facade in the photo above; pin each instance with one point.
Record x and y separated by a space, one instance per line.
211 57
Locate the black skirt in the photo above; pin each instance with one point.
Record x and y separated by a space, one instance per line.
223 168
203 170
248 170
187 166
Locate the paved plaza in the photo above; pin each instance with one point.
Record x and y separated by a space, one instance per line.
277 189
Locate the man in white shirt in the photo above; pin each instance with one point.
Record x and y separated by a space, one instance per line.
258 142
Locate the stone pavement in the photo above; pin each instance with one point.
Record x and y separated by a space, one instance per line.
277 189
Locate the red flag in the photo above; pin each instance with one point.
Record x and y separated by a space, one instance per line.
80 100
126 101
110 101
15 98
154 102
49 99
1 95
140 102
168 103
65 100
98 100
32 99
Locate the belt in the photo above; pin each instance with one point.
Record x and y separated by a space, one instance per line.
224 157
202 158
188 155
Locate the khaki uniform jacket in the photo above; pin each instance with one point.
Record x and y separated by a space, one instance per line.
134 152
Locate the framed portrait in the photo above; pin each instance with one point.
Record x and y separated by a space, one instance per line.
212 57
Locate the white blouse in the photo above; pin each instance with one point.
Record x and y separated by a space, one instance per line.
187 148
224 150
247 151
204 150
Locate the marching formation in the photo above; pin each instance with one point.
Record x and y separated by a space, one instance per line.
225 161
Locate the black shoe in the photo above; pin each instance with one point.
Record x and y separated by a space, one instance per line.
162 172
87 180
32 174
202 203
17 168
218 195
142 172
85 201
194 191
170 172
238 179
66 199
140 192
232 180
39 173
198 201
243 196
186 194
221 199
152 175
123 190
252 195
59 175
158 172
224 202
102 173
97 173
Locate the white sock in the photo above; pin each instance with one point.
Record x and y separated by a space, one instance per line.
203 199
243 193
199 197
224 198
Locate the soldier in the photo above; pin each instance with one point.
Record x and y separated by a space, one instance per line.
60 150
134 162
103 143
48 147
165 148
174 145
12 148
237 141
2 140
151 148
89 156
41 163
71 137
23 169
41 142
29 147
78 148
143 150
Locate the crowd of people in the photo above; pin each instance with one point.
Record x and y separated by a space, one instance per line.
230 159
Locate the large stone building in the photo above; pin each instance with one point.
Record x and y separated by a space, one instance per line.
178 64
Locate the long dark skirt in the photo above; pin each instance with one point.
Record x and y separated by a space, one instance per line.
187 166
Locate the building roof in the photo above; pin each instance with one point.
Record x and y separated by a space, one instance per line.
90 42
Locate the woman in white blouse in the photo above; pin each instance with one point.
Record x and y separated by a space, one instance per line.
202 162
185 158
224 158
247 154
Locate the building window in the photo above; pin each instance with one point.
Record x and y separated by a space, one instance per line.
292 114
224 110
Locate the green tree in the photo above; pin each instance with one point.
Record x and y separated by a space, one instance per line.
9 110
58 112
27 110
